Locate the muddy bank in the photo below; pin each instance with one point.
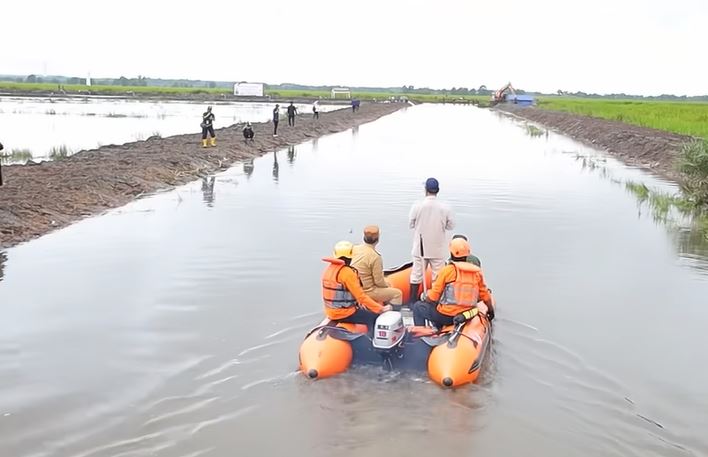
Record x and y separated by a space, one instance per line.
655 150
37 199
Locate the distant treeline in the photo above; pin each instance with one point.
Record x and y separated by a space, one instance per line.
189 83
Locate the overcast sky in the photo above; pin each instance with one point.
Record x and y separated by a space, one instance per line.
646 47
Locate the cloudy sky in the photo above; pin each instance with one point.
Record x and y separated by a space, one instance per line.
644 47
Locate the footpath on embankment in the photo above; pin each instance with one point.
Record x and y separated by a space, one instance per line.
655 150
39 198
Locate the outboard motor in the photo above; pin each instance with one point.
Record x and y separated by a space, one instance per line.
389 333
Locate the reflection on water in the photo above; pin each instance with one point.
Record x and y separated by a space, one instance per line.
3 260
276 167
248 168
291 154
663 202
89 123
208 190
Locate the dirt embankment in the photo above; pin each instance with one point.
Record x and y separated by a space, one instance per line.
37 199
655 150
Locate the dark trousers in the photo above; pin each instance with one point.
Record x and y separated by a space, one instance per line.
316 115
275 127
206 129
423 310
362 316
291 119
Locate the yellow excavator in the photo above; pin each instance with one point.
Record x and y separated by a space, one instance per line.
500 95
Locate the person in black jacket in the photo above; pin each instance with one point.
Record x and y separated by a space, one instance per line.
1 148
291 114
208 127
276 119
248 132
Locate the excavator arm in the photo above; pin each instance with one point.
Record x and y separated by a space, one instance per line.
499 95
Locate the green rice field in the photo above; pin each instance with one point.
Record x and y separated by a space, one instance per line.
686 118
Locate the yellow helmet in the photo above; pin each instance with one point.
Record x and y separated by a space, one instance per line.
343 249
459 248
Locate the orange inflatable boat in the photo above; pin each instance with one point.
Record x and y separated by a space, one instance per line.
452 356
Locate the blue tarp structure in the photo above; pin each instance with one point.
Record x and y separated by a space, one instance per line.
525 100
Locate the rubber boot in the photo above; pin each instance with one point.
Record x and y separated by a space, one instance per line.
413 294
204 143
213 141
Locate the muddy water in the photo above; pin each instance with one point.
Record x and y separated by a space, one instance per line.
171 326
85 123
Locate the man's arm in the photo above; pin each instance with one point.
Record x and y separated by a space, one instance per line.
484 294
351 282
449 220
413 215
444 276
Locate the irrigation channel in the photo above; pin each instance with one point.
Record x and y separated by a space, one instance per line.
171 326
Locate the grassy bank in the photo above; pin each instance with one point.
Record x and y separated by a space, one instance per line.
108 90
685 118
298 94
416 97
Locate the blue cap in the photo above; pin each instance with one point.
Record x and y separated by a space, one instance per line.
431 185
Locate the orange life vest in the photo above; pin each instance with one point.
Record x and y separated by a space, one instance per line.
334 294
463 293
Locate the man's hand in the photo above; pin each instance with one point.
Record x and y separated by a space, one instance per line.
387 308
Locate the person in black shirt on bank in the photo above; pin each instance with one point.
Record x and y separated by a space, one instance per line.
291 114
276 118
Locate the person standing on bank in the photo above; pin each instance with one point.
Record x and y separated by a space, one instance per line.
276 119
429 219
208 127
291 114
1 148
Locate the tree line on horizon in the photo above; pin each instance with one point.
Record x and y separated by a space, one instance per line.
405 89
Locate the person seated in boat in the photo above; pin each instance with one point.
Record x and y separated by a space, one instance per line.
368 263
470 258
455 292
248 131
344 299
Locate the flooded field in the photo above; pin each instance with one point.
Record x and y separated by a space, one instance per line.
171 326
86 123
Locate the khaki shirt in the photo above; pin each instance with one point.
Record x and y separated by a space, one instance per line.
369 264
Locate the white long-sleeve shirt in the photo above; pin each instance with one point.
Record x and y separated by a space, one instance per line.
429 219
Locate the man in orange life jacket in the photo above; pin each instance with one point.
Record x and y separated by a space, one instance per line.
344 299
455 291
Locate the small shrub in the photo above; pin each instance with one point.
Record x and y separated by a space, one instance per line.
693 163
59 152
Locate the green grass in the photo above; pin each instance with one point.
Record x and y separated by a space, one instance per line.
80 88
154 90
533 131
693 163
59 152
686 118
379 96
17 155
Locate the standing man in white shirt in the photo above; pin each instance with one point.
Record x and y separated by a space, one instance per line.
429 219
